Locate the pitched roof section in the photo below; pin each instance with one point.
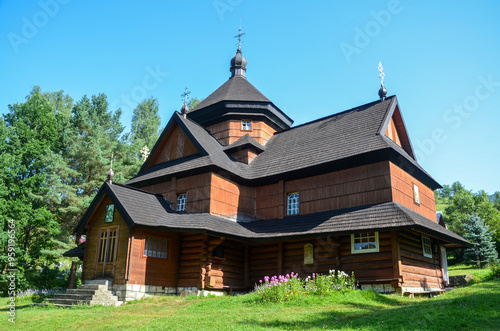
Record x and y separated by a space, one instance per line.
238 98
140 208
235 89
341 140
244 142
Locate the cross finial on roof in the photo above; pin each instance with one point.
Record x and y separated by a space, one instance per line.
185 95
382 92
381 74
239 37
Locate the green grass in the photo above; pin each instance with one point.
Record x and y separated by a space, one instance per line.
462 269
474 307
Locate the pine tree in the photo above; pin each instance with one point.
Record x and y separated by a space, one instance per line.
480 236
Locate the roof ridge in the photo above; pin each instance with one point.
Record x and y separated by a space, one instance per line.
369 104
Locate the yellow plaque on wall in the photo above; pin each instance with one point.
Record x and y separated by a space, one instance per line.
308 254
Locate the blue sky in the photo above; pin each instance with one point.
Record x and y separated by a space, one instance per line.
312 59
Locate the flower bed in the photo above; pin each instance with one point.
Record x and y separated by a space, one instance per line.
291 286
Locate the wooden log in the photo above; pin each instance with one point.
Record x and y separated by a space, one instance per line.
363 257
267 266
407 276
368 265
422 271
255 250
418 257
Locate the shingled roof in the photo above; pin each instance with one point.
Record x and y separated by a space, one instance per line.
345 139
141 208
236 88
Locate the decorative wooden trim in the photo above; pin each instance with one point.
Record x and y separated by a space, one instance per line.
117 239
105 252
131 250
98 252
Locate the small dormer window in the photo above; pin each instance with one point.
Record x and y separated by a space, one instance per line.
110 213
292 203
246 125
181 202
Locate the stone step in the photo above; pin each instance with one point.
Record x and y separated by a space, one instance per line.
74 296
81 291
67 301
93 287
102 281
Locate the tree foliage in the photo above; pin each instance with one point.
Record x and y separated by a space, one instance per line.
54 158
480 236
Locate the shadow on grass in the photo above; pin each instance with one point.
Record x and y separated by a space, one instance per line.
473 311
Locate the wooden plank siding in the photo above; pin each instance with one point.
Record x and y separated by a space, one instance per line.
173 146
151 270
229 131
402 192
418 270
196 187
92 268
364 185
232 200
392 133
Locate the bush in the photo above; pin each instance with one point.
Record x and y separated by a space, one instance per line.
289 287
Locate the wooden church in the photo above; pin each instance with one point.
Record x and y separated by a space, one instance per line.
232 192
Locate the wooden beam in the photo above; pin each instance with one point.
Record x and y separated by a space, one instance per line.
131 251
246 270
396 254
203 262
280 258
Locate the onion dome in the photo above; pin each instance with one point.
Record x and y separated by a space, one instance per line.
238 64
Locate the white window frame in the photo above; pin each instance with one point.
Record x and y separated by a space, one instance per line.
292 203
246 125
181 202
426 243
416 194
361 236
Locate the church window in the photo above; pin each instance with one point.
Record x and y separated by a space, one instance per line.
416 195
292 203
365 242
246 125
181 202
107 245
156 247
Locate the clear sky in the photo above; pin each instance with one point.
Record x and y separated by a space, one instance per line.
311 59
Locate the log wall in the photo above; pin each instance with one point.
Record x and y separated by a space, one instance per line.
92 268
228 271
418 270
402 192
228 132
151 270
192 260
369 267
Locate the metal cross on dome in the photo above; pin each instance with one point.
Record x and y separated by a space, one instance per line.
239 37
381 75
185 94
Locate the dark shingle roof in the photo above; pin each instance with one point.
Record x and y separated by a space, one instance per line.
236 88
336 138
140 208
245 141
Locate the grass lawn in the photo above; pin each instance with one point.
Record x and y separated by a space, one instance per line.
474 307
462 269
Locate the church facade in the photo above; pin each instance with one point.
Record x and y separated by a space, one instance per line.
232 192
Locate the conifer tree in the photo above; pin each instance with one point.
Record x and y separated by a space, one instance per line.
480 236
